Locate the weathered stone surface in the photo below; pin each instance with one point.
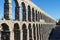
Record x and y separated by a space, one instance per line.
34 26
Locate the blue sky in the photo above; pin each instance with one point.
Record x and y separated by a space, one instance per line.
52 7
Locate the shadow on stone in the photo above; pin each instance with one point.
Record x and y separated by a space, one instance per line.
55 33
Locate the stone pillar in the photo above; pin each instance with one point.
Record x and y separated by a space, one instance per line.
36 33
31 14
38 30
21 34
11 35
32 34
26 12
41 32
7 9
27 34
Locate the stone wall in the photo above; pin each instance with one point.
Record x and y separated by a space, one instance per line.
35 24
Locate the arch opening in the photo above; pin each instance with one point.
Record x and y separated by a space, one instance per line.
5 34
37 32
7 9
39 28
33 14
36 15
17 9
13 10
24 32
16 32
23 9
30 32
34 31
29 13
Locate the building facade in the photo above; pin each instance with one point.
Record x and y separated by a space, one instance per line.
32 24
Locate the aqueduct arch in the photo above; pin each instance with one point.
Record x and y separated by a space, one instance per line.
16 32
37 32
24 32
30 32
23 11
5 34
29 13
36 14
17 10
34 32
33 14
7 8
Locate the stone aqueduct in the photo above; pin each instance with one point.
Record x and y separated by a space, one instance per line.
35 24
